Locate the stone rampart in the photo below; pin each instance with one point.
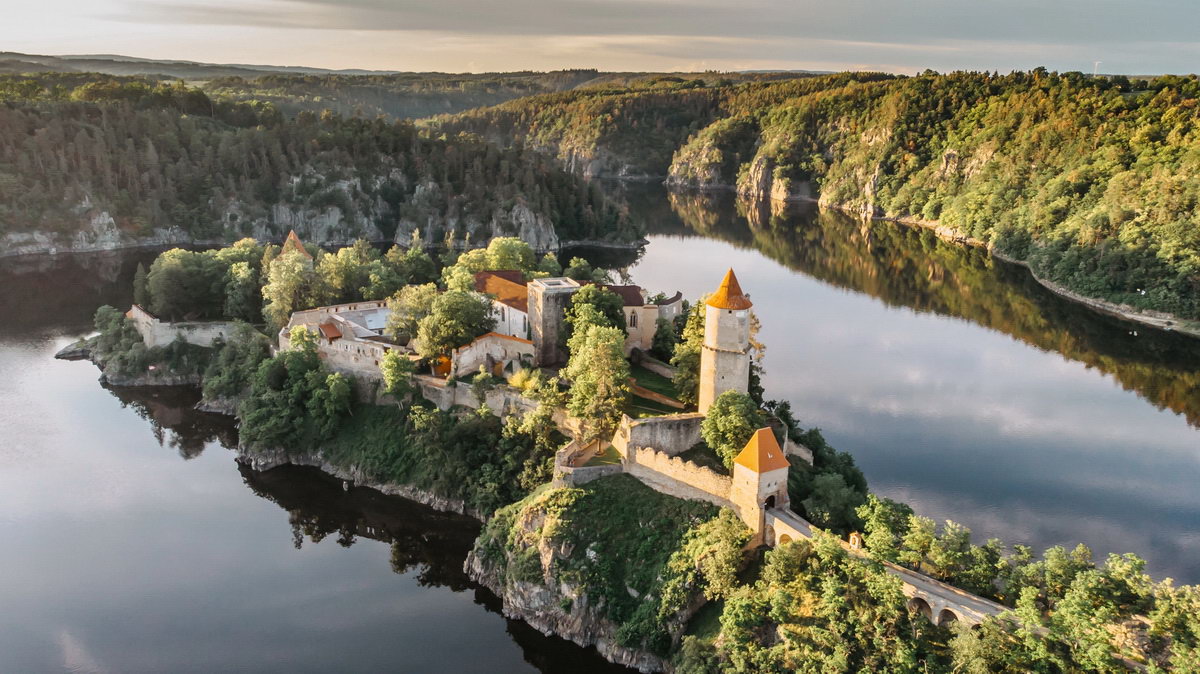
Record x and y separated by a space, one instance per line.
156 332
501 400
676 477
670 435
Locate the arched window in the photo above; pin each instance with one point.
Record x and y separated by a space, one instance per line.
633 319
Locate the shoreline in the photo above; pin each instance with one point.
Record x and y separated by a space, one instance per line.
1159 320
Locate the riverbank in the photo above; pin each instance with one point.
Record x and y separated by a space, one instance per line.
1154 319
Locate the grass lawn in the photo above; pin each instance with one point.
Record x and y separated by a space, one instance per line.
655 382
640 408
703 455
609 457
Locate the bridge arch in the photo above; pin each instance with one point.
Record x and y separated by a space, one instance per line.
919 605
945 617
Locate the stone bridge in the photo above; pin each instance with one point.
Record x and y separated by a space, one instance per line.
938 601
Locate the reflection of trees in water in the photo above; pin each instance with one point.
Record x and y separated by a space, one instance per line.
424 540
429 542
174 421
61 293
912 267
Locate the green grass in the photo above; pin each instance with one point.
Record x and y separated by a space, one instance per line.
640 408
703 455
655 382
609 457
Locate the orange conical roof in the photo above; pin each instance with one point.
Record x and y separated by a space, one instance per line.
729 295
762 454
293 243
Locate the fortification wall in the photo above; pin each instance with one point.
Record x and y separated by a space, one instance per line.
501 400
676 477
670 435
155 332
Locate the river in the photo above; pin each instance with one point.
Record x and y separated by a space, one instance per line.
131 540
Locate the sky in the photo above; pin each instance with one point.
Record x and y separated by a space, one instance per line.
1126 36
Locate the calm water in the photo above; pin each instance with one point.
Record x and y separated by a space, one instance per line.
131 541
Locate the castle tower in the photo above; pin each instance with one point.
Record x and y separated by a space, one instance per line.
725 358
760 475
548 300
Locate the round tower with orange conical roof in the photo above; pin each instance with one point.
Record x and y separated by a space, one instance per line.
725 358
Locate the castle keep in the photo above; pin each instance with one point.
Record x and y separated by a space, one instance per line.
725 358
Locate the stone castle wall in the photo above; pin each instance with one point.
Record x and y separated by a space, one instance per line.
671 435
156 332
673 476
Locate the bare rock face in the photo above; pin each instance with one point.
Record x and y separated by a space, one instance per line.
520 221
760 182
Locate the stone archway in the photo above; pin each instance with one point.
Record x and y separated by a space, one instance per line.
946 617
919 605
770 503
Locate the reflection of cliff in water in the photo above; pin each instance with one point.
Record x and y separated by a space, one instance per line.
430 542
912 267
174 422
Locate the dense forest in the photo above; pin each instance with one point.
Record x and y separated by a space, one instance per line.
1089 180
630 131
160 157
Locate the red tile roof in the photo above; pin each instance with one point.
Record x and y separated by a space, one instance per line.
330 331
508 287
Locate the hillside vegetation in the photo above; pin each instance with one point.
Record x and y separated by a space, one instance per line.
1089 180
75 150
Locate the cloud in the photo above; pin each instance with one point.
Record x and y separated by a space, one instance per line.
914 22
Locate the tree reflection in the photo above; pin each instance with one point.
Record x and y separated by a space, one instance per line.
174 421
423 541
912 267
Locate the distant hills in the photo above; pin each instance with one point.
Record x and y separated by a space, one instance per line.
116 64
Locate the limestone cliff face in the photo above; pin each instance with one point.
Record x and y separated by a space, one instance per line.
519 220
761 181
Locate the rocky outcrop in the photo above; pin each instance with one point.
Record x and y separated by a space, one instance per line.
558 609
760 182
520 221
226 406
261 460
149 378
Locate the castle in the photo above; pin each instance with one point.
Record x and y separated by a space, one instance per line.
650 447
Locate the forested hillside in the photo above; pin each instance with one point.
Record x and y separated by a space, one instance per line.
1092 181
631 130
116 160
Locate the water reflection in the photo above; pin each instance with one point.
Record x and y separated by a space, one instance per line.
173 420
913 268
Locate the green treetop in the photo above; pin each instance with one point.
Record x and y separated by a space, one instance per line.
455 318
730 422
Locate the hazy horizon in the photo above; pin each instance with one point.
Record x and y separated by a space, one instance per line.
1153 36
